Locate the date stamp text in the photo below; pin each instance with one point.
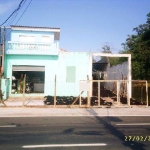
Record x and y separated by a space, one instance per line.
137 138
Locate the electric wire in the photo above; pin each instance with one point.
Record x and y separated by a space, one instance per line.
12 19
20 16
24 12
15 15
19 6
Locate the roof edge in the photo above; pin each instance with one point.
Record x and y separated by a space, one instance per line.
35 28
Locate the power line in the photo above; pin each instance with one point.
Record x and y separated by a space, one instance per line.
24 11
15 15
19 6
20 16
12 19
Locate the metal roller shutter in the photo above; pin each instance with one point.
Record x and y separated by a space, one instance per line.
28 68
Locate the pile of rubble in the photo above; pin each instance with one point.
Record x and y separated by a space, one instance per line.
107 98
123 100
63 100
68 100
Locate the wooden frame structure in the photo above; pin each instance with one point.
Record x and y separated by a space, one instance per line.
129 67
118 104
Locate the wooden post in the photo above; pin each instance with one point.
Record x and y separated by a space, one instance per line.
2 69
92 86
79 99
24 86
118 92
128 92
98 93
88 94
3 53
55 92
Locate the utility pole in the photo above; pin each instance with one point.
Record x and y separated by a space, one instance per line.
24 86
2 68
3 52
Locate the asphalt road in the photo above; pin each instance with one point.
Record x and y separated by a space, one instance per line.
75 133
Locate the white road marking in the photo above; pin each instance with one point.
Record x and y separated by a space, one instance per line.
64 145
8 126
133 124
80 115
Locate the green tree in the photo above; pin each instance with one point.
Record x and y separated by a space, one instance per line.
138 45
106 49
113 60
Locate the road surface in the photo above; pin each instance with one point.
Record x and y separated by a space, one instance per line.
75 133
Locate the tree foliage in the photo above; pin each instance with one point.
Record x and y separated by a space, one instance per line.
106 49
138 45
113 60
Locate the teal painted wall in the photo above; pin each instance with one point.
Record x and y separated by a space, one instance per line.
5 88
50 63
54 65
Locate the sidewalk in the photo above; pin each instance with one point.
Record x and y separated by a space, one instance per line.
36 108
19 103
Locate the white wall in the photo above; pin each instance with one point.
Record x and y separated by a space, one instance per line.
118 72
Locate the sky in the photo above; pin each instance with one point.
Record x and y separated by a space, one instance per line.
85 25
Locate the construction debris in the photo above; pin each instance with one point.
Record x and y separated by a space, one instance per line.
107 98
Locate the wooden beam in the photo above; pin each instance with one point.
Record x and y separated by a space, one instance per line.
111 55
55 92
76 98
24 86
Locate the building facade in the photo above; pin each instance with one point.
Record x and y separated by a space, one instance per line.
34 52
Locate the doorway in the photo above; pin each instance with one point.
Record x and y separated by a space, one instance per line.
35 79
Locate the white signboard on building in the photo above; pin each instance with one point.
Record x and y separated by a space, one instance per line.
84 86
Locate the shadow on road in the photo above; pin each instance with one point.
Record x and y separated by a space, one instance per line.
68 131
113 130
